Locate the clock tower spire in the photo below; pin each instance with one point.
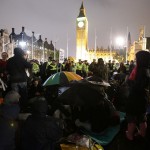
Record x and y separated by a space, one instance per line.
82 11
81 34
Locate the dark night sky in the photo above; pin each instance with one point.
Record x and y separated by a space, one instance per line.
53 19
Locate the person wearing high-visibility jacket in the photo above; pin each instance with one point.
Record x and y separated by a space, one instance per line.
35 69
79 66
51 69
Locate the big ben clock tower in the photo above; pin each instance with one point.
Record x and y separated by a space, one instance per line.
81 34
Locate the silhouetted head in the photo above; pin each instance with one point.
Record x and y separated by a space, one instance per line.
39 106
143 58
18 52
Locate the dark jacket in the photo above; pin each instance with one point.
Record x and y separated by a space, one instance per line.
40 132
137 102
8 126
16 67
139 85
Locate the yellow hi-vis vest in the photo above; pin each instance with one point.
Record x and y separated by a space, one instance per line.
48 64
85 68
35 68
53 67
79 66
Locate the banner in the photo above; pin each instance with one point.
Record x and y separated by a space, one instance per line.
61 55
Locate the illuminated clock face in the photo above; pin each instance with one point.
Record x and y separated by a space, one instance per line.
80 24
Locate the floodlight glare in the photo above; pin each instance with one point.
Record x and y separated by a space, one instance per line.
120 41
22 44
28 52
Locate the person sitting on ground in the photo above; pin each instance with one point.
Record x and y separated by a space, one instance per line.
40 131
35 89
9 112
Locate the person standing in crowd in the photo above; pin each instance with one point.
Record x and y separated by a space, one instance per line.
67 65
101 70
79 68
63 65
58 66
138 99
131 66
72 66
51 69
127 65
35 68
16 67
3 73
3 63
110 69
43 69
92 66
85 68
40 131
122 73
9 112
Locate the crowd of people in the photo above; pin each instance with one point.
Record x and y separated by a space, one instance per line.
21 91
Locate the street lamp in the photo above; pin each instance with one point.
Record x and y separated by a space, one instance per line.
55 49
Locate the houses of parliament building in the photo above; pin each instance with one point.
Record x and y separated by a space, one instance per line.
42 49
82 51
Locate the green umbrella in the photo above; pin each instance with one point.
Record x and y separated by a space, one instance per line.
62 78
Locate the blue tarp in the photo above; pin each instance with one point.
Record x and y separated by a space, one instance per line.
107 135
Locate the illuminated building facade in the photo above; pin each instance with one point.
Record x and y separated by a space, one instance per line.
35 48
82 51
81 34
143 43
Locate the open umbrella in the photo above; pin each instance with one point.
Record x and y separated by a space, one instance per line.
94 107
62 78
82 94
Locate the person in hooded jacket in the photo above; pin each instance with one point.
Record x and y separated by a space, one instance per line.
16 67
40 131
9 112
137 103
